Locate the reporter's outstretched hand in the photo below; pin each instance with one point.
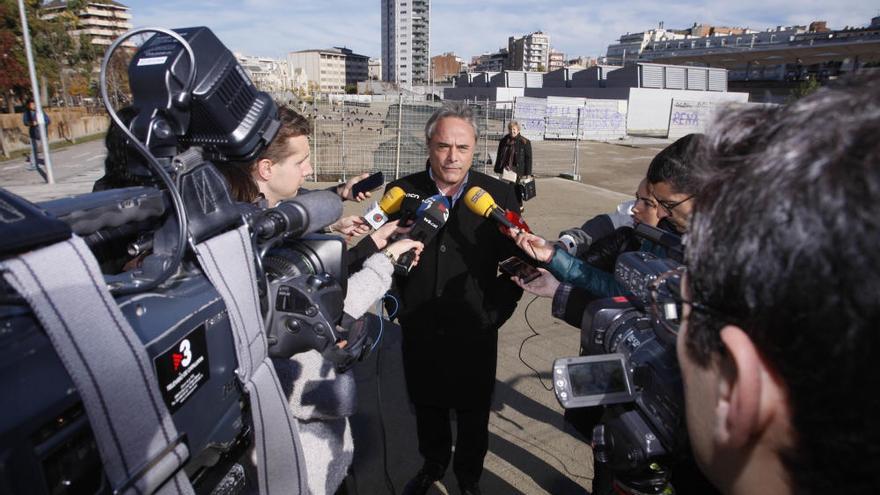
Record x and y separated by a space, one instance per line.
344 190
536 247
403 245
382 234
543 286
351 226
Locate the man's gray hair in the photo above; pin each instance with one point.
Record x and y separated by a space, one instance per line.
455 109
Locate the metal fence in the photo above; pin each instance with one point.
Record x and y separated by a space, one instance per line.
351 137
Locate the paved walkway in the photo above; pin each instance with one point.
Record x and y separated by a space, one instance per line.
530 449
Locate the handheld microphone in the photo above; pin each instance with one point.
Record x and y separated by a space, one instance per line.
409 207
302 215
377 214
425 229
483 204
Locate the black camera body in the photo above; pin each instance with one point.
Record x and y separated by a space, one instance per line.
47 445
638 440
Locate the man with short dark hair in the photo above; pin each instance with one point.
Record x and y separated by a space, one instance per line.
782 297
673 183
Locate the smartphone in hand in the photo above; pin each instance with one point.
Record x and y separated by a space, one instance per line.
520 269
370 183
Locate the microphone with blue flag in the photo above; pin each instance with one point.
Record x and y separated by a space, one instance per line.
431 216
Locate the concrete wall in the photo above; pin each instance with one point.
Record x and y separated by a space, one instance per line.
649 109
70 123
530 113
597 120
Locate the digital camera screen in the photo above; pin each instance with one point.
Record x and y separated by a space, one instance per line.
597 378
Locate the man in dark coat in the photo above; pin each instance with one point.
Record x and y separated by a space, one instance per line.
452 305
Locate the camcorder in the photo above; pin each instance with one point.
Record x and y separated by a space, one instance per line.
194 105
628 366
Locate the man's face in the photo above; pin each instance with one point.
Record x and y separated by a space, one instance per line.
32 106
645 208
700 397
287 176
451 151
514 131
675 206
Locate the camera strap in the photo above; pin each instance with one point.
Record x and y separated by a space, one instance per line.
136 437
228 261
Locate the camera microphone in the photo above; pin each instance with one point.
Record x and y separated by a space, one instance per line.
483 204
302 215
377 214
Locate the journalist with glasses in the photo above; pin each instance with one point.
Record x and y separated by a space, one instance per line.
572 282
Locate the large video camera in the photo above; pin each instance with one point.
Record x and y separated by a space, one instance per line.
628 365
193 103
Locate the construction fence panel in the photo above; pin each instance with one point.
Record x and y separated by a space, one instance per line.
351 135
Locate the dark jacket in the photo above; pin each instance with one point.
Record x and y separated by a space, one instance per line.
603 252
29 119
522 159
453 302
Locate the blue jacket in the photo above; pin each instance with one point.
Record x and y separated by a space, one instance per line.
29 118
578 273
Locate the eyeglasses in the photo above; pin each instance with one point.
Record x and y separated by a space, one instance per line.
668 206
666 301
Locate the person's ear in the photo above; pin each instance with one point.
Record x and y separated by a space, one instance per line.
747 393
264 169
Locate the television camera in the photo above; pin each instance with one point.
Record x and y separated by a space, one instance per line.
629 367
193 104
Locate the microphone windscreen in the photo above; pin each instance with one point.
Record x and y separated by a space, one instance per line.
392 200
320 208
410 205
479 201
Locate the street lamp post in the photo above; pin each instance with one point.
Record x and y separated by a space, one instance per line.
41 125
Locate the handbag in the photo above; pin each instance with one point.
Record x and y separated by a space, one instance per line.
508 175
526 187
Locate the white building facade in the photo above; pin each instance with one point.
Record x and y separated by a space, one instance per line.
267 73
406 42
328 71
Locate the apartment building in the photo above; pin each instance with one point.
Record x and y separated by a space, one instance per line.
529 53
102 21
266 73
330 70
406 41
444 67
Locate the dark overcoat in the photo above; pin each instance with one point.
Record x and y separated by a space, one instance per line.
522 159
453 302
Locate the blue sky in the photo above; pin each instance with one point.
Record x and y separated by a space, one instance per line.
470 27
